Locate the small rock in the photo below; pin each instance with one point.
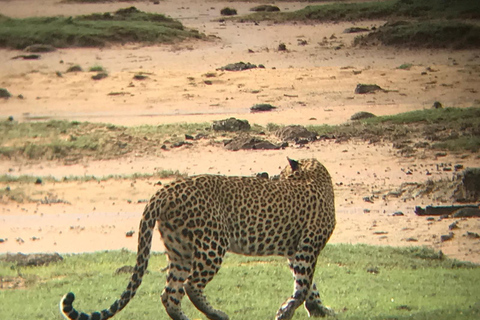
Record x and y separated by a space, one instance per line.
471 235
4 93
355 30
282 47
263 175
38 181
75 68
373 270
189 137
368 199
446 237
262 107
100 76
265 8
228 11
140 76
27 57
362 115
453 226
238 66
181 144
231 125
437 105
129 233
367 88
398 214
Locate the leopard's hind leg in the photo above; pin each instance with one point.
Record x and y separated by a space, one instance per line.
206 264
302 264
180 255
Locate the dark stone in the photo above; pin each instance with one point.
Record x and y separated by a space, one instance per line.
265 8
4 93
362 115
140 77
100 76
238 66
263 175
231 125
261 107
367 88
27 57
437 105
75 68
295 133
355 30
247 142
446 237
228 11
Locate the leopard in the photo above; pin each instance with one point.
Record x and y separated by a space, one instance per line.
202 217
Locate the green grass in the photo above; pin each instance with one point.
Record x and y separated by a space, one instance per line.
95 30
4 178
421 34
96 68
425 9
451 129
418 279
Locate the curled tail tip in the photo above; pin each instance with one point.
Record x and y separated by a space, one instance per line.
66 304
68 298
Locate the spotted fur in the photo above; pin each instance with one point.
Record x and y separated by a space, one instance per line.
200 218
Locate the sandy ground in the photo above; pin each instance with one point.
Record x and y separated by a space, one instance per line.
311 84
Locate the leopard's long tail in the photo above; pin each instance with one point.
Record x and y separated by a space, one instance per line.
147 225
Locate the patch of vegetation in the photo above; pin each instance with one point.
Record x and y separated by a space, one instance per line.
410 283
71 141
425 9
444 129
425 34
75 68
451 129
4 178
94 30
96 68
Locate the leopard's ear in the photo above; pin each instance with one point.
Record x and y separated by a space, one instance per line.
293 164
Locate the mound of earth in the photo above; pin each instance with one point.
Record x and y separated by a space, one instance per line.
247 142
231 125
295 133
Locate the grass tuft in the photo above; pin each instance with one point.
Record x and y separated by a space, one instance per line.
94 30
